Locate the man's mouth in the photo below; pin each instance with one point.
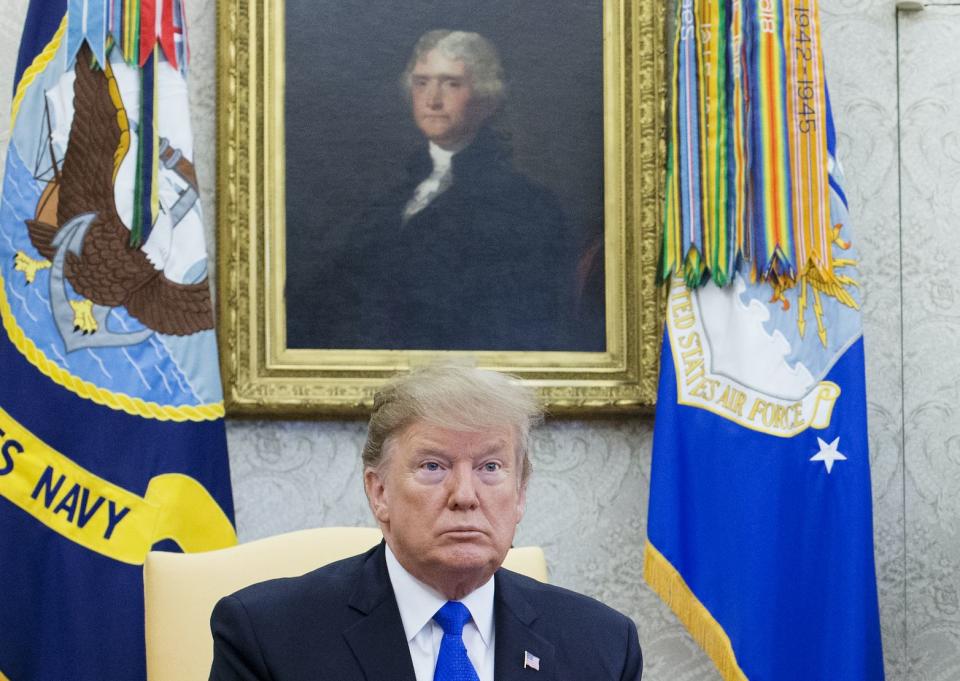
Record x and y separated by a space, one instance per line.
464 531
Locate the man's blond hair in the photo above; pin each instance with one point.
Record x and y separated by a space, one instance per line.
460 398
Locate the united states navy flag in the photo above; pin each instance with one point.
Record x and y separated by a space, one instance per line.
760 532
111 415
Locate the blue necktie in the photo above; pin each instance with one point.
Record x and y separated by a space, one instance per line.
452 662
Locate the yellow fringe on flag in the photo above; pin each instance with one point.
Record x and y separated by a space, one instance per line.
664 579
36 68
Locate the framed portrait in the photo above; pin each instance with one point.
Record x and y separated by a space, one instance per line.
405 183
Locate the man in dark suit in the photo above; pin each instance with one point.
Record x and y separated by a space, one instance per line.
467 253
445 472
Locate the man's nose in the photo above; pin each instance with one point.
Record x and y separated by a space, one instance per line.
434 99
463 491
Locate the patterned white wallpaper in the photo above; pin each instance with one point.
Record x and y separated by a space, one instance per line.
930 181
587 503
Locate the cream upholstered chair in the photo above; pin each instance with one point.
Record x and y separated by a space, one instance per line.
180 589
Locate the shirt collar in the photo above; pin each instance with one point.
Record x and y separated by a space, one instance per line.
441 157
418 602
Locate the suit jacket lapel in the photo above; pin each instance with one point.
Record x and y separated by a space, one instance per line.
378 641
514 617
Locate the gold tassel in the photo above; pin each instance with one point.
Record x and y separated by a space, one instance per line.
706 631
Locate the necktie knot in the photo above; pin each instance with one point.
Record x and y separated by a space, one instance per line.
451 617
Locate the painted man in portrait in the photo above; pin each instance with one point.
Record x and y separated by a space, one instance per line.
467 253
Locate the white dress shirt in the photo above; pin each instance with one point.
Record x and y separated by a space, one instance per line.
418 603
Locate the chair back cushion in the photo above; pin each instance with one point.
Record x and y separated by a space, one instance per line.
180 589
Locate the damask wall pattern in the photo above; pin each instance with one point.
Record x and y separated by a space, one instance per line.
930 178
588 497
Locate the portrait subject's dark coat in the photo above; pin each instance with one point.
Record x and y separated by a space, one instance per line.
489 264
341 623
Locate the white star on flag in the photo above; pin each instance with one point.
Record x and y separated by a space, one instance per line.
828 453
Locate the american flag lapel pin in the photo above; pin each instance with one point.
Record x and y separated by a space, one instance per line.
530 660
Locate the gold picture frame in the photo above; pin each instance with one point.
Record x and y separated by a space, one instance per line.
265 377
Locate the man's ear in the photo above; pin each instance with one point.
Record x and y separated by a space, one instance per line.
521 502
376 495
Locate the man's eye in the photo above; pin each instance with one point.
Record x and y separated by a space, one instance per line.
491 466
454 84
431 466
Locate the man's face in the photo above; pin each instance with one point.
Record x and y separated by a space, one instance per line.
444 106
448 503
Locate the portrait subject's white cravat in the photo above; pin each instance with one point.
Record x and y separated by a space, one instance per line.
436 183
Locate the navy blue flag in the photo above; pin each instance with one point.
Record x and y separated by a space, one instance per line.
760 524
112 438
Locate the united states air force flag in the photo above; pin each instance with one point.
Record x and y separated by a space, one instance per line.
760 528
111 431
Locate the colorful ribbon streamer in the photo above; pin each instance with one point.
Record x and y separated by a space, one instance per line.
135 27
747 176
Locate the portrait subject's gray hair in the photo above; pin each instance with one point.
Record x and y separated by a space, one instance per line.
478 55
456 397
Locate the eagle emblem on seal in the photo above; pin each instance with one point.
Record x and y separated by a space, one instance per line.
79 232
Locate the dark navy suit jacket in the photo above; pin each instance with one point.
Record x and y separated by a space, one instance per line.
341 623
